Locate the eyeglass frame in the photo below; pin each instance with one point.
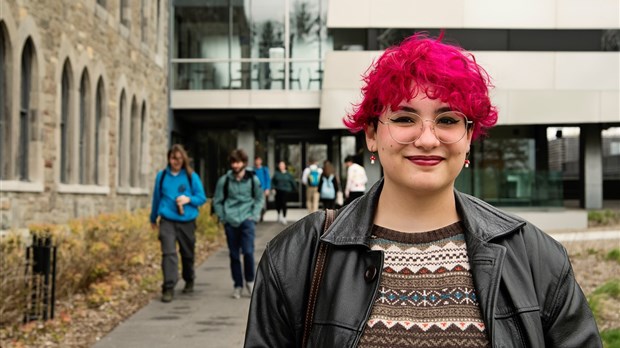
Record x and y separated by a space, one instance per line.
468 124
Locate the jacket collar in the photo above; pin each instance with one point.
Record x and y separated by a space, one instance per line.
482 221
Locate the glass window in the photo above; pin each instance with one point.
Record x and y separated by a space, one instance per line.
83 165
24 110
134 128
124 13
143 21
4 106
99 113
142 144
121 140
65 110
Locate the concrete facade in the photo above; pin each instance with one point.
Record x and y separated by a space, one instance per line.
97 150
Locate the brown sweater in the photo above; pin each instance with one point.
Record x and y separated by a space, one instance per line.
426 296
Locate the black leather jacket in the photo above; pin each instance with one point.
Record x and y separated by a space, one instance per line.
527 291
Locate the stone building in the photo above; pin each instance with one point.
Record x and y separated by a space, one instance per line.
83 107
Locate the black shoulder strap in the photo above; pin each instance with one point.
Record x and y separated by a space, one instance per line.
225 188
163 174
161 180
317 276
248 175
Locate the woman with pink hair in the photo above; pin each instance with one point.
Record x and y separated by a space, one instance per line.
414 262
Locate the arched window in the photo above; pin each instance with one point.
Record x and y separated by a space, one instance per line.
124 14
134 144
5 124
142 142
99 128
65 123
25 110
84 130
121 140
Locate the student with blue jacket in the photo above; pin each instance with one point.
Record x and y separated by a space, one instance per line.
177 195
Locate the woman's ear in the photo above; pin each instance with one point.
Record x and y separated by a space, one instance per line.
371 135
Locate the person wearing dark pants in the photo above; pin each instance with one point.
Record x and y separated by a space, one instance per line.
177 195
241 238
283 183
171 232
238 201
262 173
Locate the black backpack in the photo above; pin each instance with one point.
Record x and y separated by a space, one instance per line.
249 174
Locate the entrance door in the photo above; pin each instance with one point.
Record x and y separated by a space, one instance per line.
297 155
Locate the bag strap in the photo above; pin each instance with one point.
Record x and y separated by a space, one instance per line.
317 276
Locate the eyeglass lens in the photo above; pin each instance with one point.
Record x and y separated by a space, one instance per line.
406 127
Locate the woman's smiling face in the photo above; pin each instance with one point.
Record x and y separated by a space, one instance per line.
426 165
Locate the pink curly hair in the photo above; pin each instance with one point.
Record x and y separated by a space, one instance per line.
440 71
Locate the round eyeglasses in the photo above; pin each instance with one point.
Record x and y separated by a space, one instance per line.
406 127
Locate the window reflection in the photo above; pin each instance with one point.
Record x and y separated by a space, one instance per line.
241 44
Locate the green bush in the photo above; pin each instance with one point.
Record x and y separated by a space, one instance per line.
613 255
611 338
603 217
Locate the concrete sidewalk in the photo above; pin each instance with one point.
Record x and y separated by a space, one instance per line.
209 317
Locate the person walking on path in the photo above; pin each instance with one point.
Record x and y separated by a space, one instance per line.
238 202
263 175
177 194
356 180
329 185
414 262
310 178
283 183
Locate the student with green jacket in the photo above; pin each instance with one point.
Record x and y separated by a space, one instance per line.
237 203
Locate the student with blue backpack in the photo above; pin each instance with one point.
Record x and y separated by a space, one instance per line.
310 177
177 195
329 185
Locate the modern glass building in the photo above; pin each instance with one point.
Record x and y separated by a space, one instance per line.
275 77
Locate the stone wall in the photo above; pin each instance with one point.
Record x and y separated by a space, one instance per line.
124 57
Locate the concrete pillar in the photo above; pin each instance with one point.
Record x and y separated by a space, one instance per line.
592 165
245 141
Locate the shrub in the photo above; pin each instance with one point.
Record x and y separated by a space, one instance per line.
95 257
611 338
603 217
613 255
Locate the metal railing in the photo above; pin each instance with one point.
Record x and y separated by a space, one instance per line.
247 74
40 279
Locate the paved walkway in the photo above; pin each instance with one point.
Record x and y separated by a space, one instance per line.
210 317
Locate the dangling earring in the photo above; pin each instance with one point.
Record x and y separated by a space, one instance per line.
372 158
467 160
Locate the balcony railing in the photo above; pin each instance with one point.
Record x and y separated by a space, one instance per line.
247 74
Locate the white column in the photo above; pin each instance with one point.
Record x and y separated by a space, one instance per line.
592 166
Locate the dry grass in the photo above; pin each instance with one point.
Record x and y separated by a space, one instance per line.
108 268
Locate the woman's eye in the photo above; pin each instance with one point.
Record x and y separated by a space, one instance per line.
446 121
403 120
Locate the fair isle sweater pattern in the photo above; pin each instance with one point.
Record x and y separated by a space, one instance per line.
426 296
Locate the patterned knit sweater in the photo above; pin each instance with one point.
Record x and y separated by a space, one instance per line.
426 296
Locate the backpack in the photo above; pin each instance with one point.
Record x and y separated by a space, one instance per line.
327 188
161 180
313 177
249 174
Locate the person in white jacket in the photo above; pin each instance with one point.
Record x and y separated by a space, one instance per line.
356 180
